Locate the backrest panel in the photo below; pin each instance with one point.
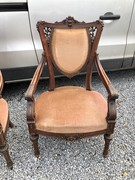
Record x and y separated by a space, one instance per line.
69 48
68 45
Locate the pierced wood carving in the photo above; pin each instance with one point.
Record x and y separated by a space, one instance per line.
47 32
92 33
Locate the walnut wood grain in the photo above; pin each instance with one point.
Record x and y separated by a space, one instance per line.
48 57
107 83
29 95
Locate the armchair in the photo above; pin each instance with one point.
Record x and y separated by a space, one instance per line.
70 112
4 124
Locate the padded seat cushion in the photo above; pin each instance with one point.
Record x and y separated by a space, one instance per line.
3 114
70 109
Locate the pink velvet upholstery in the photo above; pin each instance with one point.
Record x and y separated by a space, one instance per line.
71 109
70 49
3 114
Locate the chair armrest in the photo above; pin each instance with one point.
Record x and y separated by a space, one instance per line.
29 95
112 93
1 83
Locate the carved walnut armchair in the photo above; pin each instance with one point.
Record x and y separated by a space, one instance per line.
4 124
70 112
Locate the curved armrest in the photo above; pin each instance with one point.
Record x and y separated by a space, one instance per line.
1 83
112 93
29 95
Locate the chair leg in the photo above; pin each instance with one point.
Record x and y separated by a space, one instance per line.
5 152
11 125
34 139
108 138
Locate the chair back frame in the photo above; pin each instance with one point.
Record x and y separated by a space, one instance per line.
94 30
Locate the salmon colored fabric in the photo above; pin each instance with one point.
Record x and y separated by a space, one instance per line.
71 109
3 114
70 49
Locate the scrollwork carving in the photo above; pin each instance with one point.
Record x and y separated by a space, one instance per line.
69 21
111 115
40 23
30 116
71 138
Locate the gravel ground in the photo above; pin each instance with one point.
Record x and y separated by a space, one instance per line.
79 160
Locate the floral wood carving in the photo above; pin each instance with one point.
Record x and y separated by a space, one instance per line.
69 21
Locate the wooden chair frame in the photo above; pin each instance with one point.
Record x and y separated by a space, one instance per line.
3 142
44 29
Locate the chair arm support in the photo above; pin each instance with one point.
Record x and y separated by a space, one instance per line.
112 93
111 116
29 95
1 83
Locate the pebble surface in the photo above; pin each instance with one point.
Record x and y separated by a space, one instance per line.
79 160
